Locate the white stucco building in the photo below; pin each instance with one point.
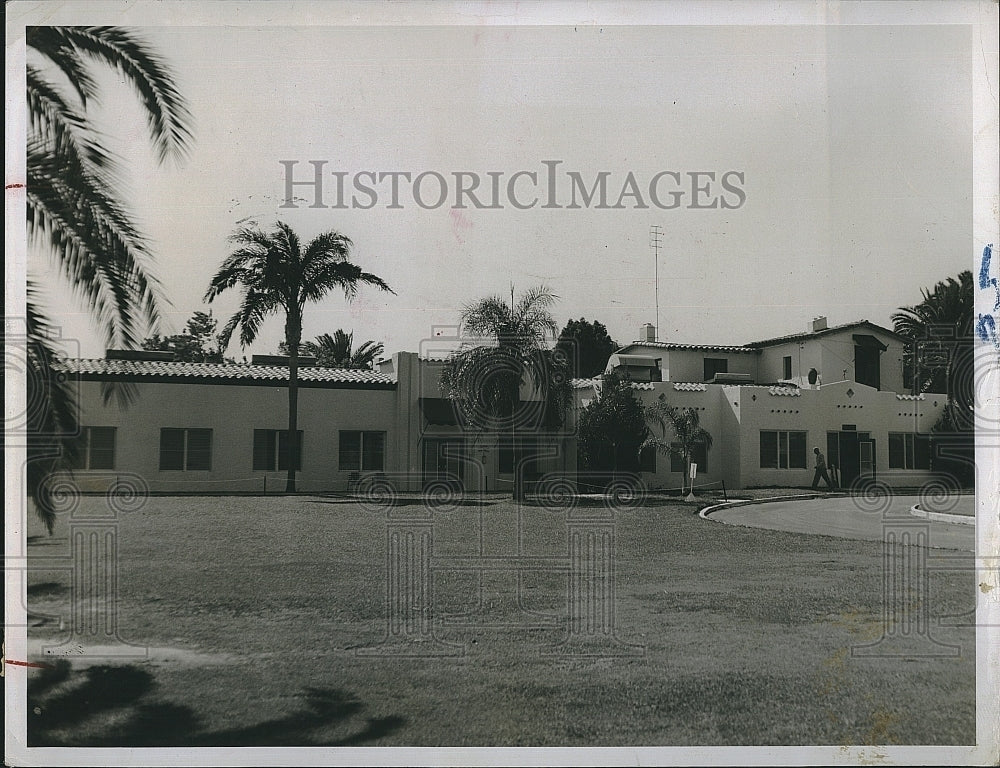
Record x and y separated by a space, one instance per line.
208 428
769 403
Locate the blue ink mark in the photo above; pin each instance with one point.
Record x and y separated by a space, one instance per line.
987 329
985 281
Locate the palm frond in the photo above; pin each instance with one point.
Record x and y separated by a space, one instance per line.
97 248
167 115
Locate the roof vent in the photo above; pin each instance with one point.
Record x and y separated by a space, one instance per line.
282 360
647 332
139 354
818 324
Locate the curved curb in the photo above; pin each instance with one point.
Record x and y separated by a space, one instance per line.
704 513
942 517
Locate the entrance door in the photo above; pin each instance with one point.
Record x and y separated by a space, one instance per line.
850 458
444 459
866 458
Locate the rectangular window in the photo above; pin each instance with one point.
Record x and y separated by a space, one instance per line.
364 451
699 456
786 365
866 366
270 450
185 449
909 450
647 460
714 365
782 450
97 449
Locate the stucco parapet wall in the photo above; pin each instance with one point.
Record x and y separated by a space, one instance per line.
220 373
911 397
682 386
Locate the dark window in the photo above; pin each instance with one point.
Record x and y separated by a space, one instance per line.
185 449
647 459
364 451
782 450
714 365
786 364
505 460
699 456
171 449
909 451
866 365
97 449
270 450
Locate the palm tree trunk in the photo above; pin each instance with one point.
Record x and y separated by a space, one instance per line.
293 333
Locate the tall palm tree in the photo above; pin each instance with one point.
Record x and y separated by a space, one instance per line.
940 357
485 378
72 209
338 351
277 275
688 434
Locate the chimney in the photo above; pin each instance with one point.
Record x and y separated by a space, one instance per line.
647 332
818 324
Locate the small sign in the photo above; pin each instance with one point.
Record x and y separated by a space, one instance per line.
694 470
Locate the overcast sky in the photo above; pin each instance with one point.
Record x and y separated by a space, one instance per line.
855 145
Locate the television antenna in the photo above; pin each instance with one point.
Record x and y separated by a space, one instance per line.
655 243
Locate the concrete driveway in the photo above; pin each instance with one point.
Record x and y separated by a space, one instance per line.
849 518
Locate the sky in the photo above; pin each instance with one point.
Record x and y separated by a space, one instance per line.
854 144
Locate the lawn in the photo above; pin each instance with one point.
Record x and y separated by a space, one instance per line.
254 610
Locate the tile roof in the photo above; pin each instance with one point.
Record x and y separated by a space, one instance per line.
754 346
823 332
704 347
219 372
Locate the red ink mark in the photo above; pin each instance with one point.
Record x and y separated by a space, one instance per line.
28 664
14 186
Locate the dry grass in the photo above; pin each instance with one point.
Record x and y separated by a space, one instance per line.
745 637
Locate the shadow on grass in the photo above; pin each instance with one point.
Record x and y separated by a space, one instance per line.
105 706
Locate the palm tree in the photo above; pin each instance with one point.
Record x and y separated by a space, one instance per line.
337 351
940 357
72 209
684 424
485 379
277 275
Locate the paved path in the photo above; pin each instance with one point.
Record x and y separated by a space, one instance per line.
846 518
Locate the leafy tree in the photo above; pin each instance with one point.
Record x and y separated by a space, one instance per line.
485 379
587 347
276 275
684 425
337 351
72 210
612 428
200 344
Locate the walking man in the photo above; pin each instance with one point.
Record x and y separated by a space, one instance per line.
821 470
